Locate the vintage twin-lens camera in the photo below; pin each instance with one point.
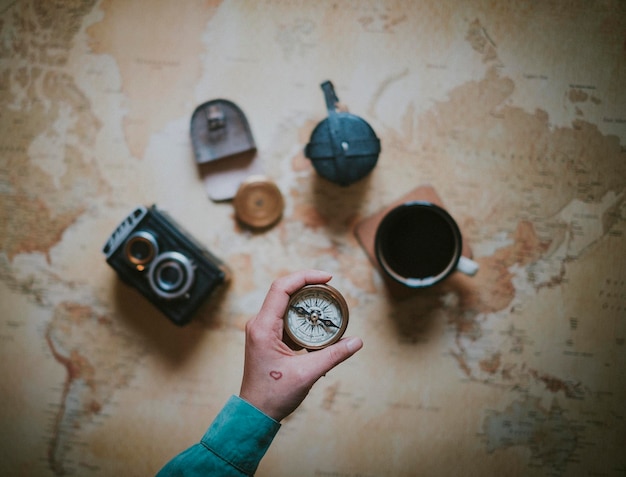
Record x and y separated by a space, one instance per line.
153 254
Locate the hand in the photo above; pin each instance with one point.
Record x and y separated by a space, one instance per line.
276 379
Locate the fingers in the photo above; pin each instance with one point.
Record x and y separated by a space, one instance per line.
277 298
326 359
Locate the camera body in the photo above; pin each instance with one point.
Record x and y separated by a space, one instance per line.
153 254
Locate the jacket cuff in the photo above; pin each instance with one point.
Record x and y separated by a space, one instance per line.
249 434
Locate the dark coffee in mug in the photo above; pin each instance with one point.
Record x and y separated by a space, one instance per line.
418 244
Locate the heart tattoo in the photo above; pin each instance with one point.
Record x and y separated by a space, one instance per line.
276 375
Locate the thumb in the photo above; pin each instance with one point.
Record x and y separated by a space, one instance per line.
326 359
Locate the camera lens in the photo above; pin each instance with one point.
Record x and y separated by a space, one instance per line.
140 249
171 275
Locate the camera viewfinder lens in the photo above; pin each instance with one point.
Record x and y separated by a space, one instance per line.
140 249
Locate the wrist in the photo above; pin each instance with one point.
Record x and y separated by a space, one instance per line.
262 405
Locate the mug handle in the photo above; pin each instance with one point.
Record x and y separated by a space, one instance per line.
467 266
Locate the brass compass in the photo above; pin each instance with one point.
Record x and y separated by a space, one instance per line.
316 317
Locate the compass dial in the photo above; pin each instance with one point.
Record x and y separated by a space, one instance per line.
317 316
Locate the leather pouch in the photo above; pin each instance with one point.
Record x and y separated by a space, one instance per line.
223 147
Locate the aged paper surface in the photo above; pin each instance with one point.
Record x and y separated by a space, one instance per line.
515 112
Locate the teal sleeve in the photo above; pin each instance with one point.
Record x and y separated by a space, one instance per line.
233 445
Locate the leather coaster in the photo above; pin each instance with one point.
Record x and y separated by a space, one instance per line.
259 202
365 233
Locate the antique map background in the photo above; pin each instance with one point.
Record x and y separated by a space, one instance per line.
514 111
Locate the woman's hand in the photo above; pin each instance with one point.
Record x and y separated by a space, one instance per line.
276 379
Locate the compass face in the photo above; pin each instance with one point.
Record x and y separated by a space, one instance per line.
317 316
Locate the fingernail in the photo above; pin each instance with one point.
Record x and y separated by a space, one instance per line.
353 344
